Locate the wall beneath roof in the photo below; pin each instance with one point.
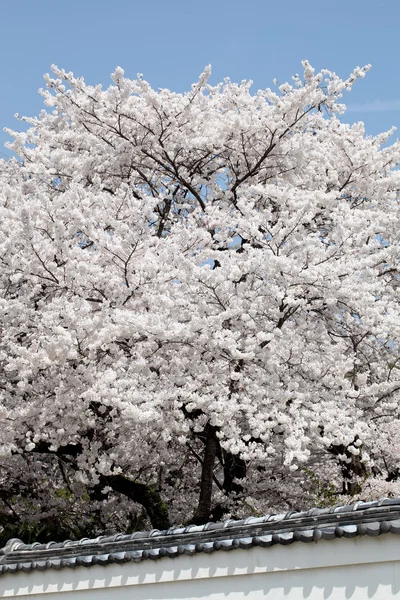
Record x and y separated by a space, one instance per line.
342 569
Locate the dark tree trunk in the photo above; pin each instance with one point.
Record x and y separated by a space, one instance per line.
352 469
234 468
144 495
202 514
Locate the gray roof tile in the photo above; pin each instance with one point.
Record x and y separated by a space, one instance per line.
362 518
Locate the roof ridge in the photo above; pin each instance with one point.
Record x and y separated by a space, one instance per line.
283 518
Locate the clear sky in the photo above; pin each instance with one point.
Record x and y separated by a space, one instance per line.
171 41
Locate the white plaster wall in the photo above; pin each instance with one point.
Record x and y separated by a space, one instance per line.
344 569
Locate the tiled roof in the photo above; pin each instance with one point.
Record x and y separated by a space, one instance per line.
362 518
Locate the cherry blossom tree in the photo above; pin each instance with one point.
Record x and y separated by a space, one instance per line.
199 302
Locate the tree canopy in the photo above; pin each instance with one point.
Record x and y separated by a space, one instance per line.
198 305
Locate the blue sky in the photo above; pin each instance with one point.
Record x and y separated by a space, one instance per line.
171 42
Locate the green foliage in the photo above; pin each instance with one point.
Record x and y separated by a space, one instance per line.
64 493
325 493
